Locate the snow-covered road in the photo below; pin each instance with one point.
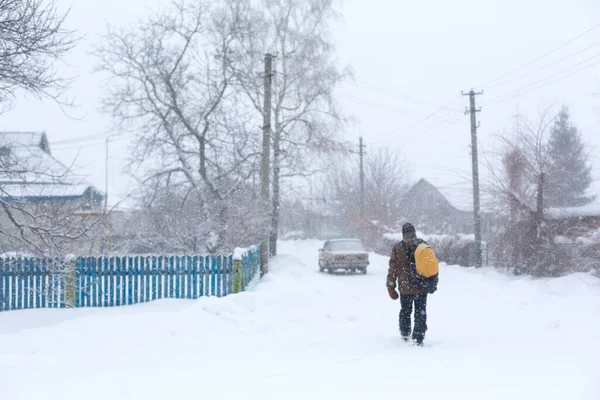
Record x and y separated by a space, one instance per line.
301 334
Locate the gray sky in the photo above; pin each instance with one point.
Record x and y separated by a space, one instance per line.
411 59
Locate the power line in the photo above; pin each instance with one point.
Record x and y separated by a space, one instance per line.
393 93
545 66
446 105
418 131
543 55
97 143
533 86
381 106
86 138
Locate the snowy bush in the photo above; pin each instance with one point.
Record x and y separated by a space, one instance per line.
456 249
552 256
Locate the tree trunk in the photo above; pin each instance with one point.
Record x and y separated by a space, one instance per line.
222 231
539 209
217 245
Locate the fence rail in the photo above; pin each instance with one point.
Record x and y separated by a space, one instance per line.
27 283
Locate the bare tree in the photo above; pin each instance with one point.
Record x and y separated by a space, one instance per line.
171 85
43 209
517 184
33 40
170 220
49 229
306 116
386 181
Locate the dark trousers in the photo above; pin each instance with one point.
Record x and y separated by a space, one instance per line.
420 303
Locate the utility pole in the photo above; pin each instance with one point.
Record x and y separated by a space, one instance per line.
361 146
475 166
265 162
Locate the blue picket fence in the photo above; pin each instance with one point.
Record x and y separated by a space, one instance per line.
27 283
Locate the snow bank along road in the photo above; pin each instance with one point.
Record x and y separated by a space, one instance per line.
301 334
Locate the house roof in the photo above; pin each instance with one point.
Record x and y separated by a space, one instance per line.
591 209
43 192
25 139
28 171
588 210
458 194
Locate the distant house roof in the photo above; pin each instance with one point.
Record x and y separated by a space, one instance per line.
459 195
29 172
591 209
25 139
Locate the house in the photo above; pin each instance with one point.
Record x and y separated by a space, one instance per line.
45 198
444 209
30 174
572 222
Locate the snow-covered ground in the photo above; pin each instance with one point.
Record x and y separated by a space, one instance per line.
300 334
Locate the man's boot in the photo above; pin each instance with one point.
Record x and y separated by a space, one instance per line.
418 340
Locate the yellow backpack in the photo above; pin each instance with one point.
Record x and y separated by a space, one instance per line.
425 261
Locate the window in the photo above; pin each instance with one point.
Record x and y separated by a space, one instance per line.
345 245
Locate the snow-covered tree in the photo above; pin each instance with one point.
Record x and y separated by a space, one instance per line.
171 219
170 84
386 181
517 187
305 114
34 38
542 164
569 174
187 82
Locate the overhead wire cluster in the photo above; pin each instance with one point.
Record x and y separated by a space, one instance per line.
91 140
574 65
532 74
550 67
448 113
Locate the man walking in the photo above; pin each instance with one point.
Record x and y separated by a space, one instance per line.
400 270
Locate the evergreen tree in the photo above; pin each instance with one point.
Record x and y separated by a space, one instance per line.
569 173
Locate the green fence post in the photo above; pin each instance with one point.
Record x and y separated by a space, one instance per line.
70 279
237 276
237 270
254 254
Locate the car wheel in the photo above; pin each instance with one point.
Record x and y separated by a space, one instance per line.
364 271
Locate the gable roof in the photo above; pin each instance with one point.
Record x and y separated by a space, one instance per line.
458 195
29 172
592 209
25 139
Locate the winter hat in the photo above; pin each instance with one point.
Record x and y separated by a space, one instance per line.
407 228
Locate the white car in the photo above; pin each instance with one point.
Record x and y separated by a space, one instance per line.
346 254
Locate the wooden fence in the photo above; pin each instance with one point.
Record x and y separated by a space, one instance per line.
27 283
